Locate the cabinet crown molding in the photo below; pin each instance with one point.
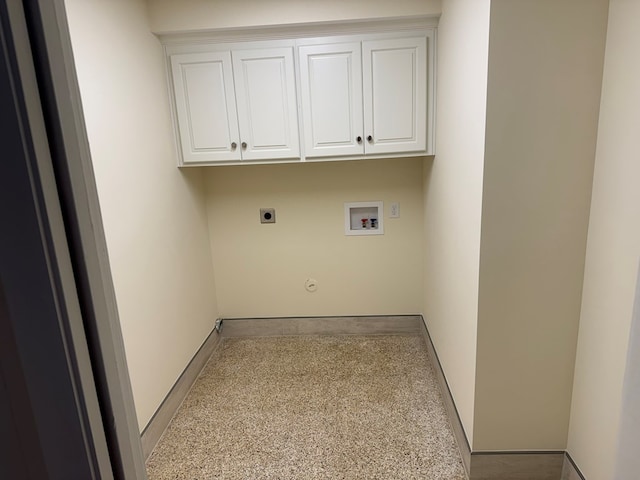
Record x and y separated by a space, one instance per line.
299 30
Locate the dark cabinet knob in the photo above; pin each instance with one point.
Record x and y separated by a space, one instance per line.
359 139
233 145
244 145
369 138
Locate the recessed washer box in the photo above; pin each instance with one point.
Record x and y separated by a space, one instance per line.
363 218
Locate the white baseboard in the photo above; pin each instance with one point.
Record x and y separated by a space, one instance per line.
510 465
452 411
570 470
167 409
507 465
365 325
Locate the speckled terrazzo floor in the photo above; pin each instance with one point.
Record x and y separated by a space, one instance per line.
343 407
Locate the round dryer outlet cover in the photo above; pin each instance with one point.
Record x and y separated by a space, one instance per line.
311 285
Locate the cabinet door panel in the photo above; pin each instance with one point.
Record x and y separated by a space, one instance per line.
205 106
331 86
266 99
395 103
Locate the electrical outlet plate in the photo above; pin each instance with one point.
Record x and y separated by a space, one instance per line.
267 215
395 210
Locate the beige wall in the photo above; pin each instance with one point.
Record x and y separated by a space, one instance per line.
627 460
453 196
261 268
545 70
501 299
613 251
154 215
172 15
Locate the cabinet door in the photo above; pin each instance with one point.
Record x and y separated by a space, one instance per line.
266 99
331 88
205 106
395 100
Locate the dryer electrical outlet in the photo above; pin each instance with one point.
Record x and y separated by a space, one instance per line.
267 215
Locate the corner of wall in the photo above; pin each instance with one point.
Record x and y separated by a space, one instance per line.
598 418
452 183
154 216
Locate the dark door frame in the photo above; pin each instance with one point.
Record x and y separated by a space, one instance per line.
66 405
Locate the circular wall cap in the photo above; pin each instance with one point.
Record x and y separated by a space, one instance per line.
311 285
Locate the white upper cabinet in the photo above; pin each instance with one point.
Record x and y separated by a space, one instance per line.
395 95
205 107
266 99
361 90
364 98
331 89
236 105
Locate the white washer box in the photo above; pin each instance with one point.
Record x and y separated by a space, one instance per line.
363 218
